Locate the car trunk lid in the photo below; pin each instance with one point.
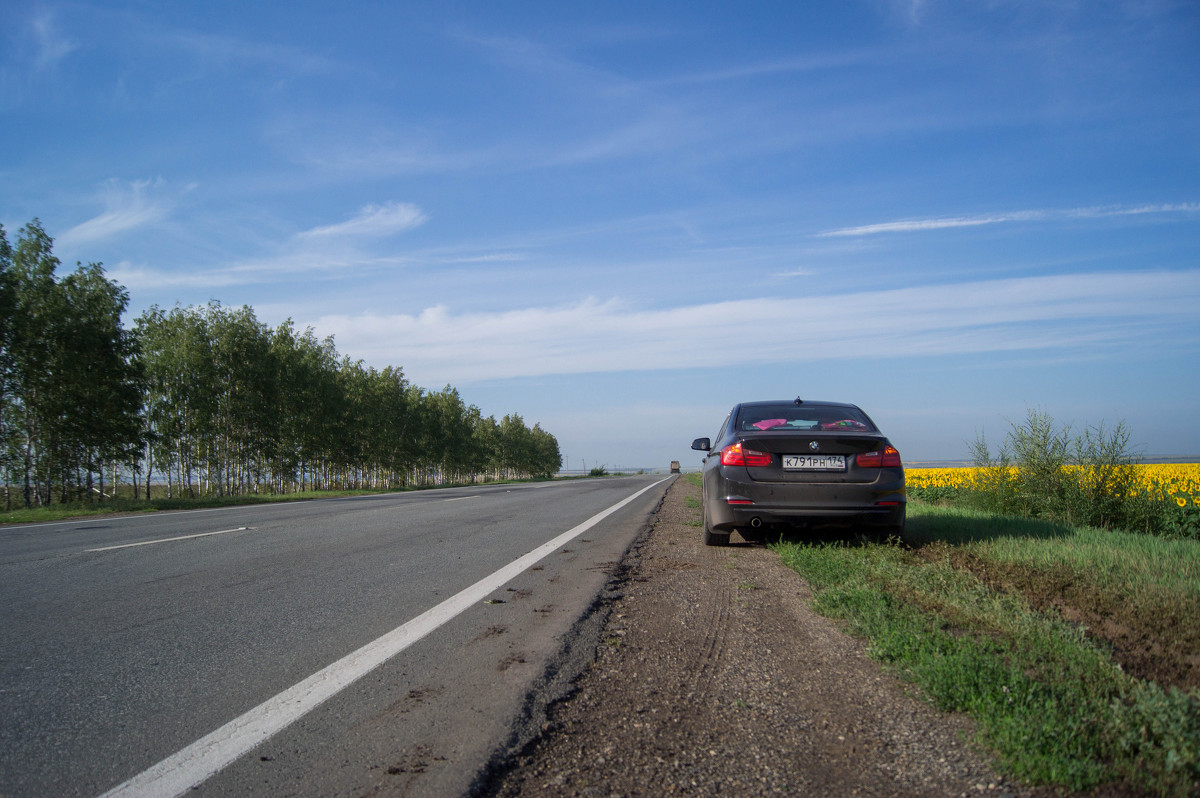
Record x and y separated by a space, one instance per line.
813 456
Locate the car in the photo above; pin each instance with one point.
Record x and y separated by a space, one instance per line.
799 465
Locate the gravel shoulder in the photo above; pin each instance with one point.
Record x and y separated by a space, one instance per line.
710 675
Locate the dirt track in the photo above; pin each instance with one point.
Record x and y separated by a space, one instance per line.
713 677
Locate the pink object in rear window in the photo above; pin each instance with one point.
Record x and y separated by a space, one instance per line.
770 422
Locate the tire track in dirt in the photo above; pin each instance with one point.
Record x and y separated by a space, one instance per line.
714 678
706 658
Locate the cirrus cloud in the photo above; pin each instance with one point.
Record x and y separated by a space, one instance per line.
1057 312
941 223
374 220
128 206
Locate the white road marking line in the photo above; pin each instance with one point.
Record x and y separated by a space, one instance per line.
169 540
460 498
157 514
191 766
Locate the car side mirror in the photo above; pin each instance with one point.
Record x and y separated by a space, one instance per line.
702 445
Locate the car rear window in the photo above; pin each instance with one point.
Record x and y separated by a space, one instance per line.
791 417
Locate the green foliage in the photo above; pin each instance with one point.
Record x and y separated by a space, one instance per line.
1044 471
598 471
1049 702
1113 566
242 408
1177 522
8 331
933 494
1158 732
70 376
213 401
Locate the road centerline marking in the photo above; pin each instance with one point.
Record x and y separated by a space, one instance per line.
194 764
169 540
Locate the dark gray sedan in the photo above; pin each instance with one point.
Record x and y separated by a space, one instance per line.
799 464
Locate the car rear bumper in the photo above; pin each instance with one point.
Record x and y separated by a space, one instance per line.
729 517
744 504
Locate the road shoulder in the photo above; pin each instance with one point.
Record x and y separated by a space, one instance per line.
711 676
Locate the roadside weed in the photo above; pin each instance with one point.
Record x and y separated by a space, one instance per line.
1051 702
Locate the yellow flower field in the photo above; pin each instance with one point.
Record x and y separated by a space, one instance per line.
1177 482
1173 481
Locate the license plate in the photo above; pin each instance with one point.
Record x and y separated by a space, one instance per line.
814 462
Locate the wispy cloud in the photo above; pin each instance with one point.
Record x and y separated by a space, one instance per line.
32 46
1040 313
913 9
374 220
547 62
130 274
224 52
52 46
335 249
759 69
127 206
497 257
941 223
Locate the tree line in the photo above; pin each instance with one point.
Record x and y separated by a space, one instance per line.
211 401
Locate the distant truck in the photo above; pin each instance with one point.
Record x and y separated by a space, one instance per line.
674 466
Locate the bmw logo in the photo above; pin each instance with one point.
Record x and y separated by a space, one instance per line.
814 445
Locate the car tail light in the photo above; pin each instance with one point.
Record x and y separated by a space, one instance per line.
888 457
735 455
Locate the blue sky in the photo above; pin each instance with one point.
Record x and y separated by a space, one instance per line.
618 219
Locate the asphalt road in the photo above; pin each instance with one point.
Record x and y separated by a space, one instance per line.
150 647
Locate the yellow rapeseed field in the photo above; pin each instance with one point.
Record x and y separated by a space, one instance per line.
1176 482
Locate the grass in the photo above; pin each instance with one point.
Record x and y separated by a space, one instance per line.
1140 593
1109 561
692 502
59 512
983 613
125 505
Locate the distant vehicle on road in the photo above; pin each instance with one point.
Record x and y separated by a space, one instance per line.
799 464
674 466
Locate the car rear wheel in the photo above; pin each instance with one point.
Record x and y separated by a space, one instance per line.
712 538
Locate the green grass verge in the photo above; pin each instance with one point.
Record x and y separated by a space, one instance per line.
1107 559
1050 702
123 506
119 506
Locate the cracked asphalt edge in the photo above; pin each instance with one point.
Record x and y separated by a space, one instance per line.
559 678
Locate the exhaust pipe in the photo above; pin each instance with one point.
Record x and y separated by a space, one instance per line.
755 522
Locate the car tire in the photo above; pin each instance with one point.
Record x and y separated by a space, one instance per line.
712 538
